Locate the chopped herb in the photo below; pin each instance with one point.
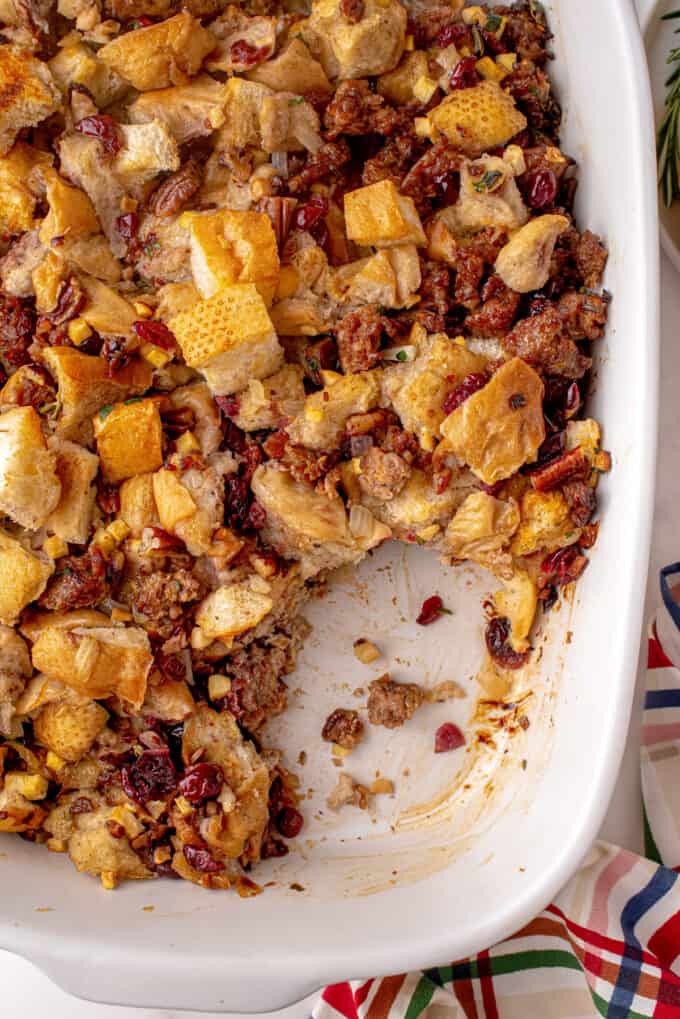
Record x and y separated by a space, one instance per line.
667 138
105 411
66 572
133 399
488 181
493 23
570 534
152 247
313 364
296 101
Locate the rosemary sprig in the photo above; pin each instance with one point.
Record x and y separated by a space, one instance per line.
669 133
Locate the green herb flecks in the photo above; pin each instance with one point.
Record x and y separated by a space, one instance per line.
105 411
488 181
667 138
493 23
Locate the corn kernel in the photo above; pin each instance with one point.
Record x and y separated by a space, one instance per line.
382 785
263 567
288 282
366 651
427 440
118 530
57 845
260 187
188 443
474 16
428 533
142 309
123 816
78 331
409 42
424 88
507 60
32 787
155 355
423 127
183 805
218 687
55 547
339 751
104 541
53 761
490 70
313 414
120 616
108 879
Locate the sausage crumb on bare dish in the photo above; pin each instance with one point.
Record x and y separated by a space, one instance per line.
276 285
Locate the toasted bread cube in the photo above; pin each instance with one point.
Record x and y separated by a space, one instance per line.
230 337
29 486
93 849
370 46
76 469
378 215
208 427
137 504
190 504
164 54
68 727
242 105
173 501
233 247
478 119
106 311
322 422
517 602
171 700
71 212
129 439
18 196
524 263
481 531
232 610
84 386
397 86
500 427
294 69
545 523
96 661
233 26
23 578
149 150
77 64
389 278
476 209
267 403
189 111
417 510
27 94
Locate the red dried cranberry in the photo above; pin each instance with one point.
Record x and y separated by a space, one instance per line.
201 781
244 53
541 189
202 859
573 400
105 129
456 34
565 565
236 502
491 489
234 438
289 821
470 384
309 214
154 332
151 777
257 516
229 405
448 737
497 641
465 74
127 226
432 609
550 449
142 22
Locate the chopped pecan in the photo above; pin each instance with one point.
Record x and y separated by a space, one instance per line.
174 193
570 466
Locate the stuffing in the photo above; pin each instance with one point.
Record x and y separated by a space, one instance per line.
138 504
106 310
369 46
233 247
390 278
81 163
129 439
322 422
231 31
190 504
545 523
19 190
397 86
288 123
23 578
524 263
482 530
294 69
500 427
78 64
164 54
417 512
168 699
69 726
70 214
149 149
378 215
488 197
242 104
233 610
517 602
76 469
189 111
28 94
24 256
478 119
15 669
29 486
270 403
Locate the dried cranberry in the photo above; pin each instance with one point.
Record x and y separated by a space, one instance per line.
171 666
455 33
154 332
541 189
252 458
201 781
465 74
497 641
105 129
229 405
289 822
151 777
202 859
245 54
236 502
257 516
309 214
565 565
70 301
432 608
116 354
234 438
470 384
127 226
17 323
491 489
549 450
448 737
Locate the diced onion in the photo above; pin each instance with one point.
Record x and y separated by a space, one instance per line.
361 522
279 160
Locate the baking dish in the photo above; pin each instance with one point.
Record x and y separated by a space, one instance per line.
472 844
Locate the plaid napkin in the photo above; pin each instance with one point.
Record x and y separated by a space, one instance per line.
610 943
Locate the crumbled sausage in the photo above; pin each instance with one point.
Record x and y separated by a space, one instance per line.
591 258
344 727
79 583
162 597
321 165
392 160
529 86
543 342
355 109
435 296
584 314
358 336
497 314
391 704
383 475
17 323
434 175
526 32
582 500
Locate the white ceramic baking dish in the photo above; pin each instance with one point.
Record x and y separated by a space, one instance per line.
473 843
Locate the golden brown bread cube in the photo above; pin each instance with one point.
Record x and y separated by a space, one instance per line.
232 610
18 193
137 504
544 524
267 403
77 468
478 119
397 85
294 69
500 427
29 486
173 501
93 849
524 263
23 578
322 421
84 386
229 246
189 111
27 93
77 64
208 426
160 55
378 215
190 504
70 725
389 278
170 700
106 311
129 439
517 602
242 105
96 661
481 530
257 31
230 337
477 207
370 46
418 510
149 150
71 212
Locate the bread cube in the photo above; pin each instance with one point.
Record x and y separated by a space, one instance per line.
76 469
389 278
106 311
189 111
190 504
517 602
18 194
294 69
545 523
84 387
233 26
267 404
233 247
481 531
524 263
289 123
322 422
208 424
500 427
149 149
137 504
476 209
169 700
173 501
71 212
160 55
232 610
23 578
397 85
417 512
77 64
94 850
68 727
129 439
478 119
242 104
96 662
370 46
14 657
230 338
378 215
27 94
29 486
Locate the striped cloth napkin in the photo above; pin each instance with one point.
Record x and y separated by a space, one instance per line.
610 943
